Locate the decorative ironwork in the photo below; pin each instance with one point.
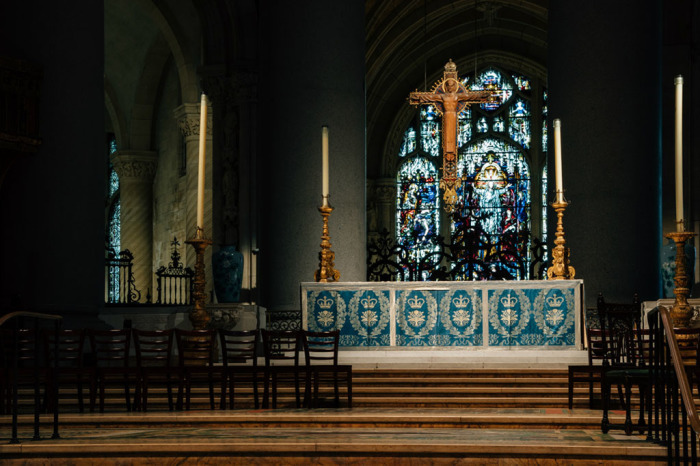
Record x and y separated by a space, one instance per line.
121 287
175 282
472 255
283 320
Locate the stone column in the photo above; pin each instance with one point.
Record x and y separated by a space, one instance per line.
234 98
187 116
384 194
136 170
312 57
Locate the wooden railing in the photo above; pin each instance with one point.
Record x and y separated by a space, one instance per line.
675 422
12 370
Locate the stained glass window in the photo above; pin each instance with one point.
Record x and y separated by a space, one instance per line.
417 218
409 142
494 208
519 116
493 222
113 233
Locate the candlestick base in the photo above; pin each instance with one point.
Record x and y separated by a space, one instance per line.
198 315
560 268
326 270
681 312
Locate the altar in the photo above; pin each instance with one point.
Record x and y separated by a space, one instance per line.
459 315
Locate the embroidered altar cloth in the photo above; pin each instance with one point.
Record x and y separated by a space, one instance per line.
532 313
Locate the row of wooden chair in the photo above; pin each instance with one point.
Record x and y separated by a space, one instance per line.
618 355
172 357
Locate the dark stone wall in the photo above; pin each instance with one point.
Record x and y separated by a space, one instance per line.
604 84
52 202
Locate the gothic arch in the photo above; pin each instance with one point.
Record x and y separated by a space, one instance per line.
116 115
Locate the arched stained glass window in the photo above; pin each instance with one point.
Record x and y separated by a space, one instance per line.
491 231
417 218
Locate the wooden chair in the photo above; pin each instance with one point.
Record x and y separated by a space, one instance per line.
321 358
281 349
240 363
624 364
590 373
110 357
72 370
195 363
20 365
154 350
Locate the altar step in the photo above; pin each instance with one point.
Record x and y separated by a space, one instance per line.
332 436
395 388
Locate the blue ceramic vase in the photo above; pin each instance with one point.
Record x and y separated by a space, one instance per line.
227 265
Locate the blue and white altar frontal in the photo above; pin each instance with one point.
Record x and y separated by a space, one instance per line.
447 314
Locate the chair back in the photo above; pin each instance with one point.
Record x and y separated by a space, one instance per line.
239 347
281 346
195 347
596 346
110 348
321 347
154 348
21 343
70 344
621 336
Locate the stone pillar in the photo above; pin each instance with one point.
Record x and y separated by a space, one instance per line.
234 99
384 194
604 86
312 59
187 116
136 170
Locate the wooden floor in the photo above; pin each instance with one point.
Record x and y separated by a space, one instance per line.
504 416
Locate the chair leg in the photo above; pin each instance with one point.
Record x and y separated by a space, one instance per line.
255 390
169 385
628 408
349 381
212 405
224 379
605 391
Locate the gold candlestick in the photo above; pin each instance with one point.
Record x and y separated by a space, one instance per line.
681 312
198 314
560 269
326 269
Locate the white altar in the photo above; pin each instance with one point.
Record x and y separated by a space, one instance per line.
523 315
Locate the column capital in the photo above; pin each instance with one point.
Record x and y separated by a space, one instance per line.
135 164
187 116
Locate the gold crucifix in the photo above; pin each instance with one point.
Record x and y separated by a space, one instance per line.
450 97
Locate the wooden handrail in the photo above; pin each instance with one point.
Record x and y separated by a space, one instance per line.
683 385
37 315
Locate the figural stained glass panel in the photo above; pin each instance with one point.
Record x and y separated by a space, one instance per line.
417 218
494 213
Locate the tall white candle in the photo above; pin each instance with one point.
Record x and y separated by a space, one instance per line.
202 158
324 162
559 185
679 153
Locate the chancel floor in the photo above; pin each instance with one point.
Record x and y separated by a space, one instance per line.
331 436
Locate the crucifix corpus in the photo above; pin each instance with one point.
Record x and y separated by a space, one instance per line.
450 97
